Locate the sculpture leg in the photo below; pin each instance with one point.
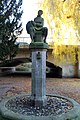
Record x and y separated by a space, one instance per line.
45 33
32 33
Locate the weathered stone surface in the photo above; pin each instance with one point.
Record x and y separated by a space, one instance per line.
73 114
39 76
68 70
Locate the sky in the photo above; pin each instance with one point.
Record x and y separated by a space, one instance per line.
30 9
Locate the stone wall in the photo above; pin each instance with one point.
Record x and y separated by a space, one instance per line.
70 70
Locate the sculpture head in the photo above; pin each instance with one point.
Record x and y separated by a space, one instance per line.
40 12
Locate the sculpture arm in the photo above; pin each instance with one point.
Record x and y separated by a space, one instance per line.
39 22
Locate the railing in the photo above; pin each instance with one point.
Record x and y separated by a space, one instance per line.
25 41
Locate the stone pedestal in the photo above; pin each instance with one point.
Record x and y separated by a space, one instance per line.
38 95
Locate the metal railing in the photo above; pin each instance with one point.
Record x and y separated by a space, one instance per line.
23 40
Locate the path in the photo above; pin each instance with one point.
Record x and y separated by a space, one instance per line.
12 85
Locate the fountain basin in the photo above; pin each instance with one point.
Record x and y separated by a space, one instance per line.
9 113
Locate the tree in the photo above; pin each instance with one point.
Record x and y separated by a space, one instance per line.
10 27
63 17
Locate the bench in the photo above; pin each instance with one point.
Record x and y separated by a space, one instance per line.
4 70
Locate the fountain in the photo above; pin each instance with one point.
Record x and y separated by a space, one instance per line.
38 105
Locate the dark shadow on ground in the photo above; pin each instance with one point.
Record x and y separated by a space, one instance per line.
14 62
55 71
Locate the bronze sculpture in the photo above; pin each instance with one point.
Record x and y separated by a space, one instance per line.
36 27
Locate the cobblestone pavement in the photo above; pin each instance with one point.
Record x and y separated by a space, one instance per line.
12 85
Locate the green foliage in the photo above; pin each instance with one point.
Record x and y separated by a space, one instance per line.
10 27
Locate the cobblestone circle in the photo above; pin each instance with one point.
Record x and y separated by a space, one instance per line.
55 106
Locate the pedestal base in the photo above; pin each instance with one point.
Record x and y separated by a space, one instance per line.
38 77
42 101
38 45
38 50
8 114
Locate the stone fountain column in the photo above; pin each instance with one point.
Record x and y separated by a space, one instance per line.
38 55
38 47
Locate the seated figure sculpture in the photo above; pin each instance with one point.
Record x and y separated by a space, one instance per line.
35 27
